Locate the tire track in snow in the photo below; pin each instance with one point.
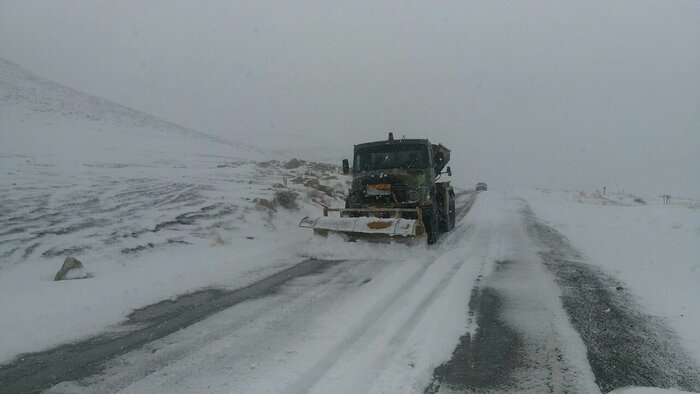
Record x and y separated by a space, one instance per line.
523 341
402 334
307 382
484 360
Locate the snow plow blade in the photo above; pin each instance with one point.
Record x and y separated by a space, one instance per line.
369 227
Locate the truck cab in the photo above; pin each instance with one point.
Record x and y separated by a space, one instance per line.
402 174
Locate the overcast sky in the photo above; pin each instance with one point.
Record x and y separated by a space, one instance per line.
526 93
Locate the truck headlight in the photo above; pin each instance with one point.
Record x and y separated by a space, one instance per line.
412 195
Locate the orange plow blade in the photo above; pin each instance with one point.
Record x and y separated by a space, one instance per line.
368 227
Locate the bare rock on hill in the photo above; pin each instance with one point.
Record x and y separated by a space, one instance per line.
294 163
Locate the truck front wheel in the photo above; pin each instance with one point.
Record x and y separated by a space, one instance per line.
430 220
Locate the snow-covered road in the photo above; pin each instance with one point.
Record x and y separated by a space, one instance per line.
492 307
311 323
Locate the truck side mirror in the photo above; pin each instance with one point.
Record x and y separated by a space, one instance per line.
449 171
346 166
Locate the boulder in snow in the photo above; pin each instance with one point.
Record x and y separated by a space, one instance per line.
72 269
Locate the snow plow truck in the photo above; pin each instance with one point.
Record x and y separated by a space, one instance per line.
395 194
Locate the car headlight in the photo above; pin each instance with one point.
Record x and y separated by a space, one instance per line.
412 195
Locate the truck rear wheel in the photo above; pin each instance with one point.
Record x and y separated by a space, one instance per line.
447 218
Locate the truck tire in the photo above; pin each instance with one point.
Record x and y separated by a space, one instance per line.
444 220
430 220
447 219
452 215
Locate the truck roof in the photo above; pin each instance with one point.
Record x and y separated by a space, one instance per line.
435 148
392 142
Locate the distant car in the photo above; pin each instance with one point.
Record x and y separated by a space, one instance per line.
481 186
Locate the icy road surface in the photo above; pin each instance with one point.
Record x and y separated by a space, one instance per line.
501 304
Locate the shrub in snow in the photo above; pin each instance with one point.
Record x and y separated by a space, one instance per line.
264 204
219 241
287 199
72 269
315 184
323 167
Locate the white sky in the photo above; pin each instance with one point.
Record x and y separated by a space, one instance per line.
527 94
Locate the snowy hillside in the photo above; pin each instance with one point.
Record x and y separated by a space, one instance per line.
326 149
151 208
50 123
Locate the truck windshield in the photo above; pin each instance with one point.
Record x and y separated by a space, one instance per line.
392 156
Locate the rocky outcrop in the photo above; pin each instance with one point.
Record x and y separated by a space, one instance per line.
294 163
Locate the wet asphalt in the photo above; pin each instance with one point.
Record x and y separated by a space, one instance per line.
485 360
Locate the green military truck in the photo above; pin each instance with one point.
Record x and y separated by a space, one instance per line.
395 193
